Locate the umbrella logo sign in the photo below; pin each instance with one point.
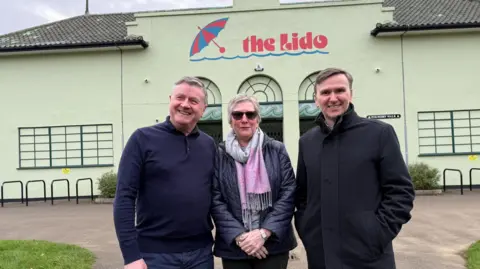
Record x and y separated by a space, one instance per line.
207 35
253 45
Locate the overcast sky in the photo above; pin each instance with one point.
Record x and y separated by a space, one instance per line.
19 14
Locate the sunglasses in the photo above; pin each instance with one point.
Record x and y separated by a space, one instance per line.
238 115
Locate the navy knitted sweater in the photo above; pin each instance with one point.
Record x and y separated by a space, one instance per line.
167 176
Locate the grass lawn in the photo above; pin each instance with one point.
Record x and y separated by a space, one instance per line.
473 256
37 254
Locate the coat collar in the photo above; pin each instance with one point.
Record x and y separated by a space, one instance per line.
170 127
266 140
342 122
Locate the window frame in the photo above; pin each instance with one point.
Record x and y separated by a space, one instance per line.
452 128
66 150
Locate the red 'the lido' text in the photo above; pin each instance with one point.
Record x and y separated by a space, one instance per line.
287 43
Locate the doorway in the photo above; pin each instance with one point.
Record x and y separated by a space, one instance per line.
306 124
273 128
213 129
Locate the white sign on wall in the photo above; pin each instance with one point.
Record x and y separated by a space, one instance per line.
384 116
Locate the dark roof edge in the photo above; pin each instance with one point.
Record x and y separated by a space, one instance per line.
141 42
381 28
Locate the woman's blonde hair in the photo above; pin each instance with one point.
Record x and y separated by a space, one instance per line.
240 98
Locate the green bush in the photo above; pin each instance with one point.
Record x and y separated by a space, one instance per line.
107 184
424 177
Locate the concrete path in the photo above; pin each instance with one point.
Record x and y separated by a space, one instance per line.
441 229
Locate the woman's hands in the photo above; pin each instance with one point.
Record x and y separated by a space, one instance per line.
252 243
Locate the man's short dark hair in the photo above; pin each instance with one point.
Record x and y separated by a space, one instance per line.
330 72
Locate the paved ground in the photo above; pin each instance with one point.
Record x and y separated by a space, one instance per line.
442 227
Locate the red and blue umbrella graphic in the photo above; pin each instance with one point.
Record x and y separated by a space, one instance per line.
207 34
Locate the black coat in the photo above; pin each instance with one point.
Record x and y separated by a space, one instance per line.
354 193
226 206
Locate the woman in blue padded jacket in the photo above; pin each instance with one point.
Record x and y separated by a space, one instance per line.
253 194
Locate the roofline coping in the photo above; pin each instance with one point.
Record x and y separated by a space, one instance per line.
121 43
400 29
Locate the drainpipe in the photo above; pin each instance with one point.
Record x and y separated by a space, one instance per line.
121 97
404 98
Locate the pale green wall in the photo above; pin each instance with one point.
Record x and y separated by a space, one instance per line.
350 46
84 88
441 73
63 89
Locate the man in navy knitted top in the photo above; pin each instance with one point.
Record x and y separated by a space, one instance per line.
164 180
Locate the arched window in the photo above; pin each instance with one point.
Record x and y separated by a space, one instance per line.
211 121
269 94
307 107
214 95
307 88
263 87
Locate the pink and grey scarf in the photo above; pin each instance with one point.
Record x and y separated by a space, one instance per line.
253 182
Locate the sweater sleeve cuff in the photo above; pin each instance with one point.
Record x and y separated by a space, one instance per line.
273 233
131 253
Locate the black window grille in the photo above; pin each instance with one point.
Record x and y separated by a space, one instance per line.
66 146
449 132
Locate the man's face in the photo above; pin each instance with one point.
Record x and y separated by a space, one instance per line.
333 96
187 104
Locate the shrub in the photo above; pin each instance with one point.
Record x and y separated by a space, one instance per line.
107 184
424 177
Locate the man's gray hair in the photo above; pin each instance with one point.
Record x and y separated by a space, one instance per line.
240 98
194 82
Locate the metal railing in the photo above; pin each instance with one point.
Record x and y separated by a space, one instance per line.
91 186
60 180
44 189
8 182
470 176
444 178
52 196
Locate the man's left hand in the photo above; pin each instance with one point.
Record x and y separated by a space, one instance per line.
253 241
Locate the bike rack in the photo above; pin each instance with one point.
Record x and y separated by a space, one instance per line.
461 179
59 180
8 182
44 189
91 186
471 170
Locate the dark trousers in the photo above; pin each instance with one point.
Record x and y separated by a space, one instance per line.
271 262
197 259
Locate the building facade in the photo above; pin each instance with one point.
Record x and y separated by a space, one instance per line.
73 91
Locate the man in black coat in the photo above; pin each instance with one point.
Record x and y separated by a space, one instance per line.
354 191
